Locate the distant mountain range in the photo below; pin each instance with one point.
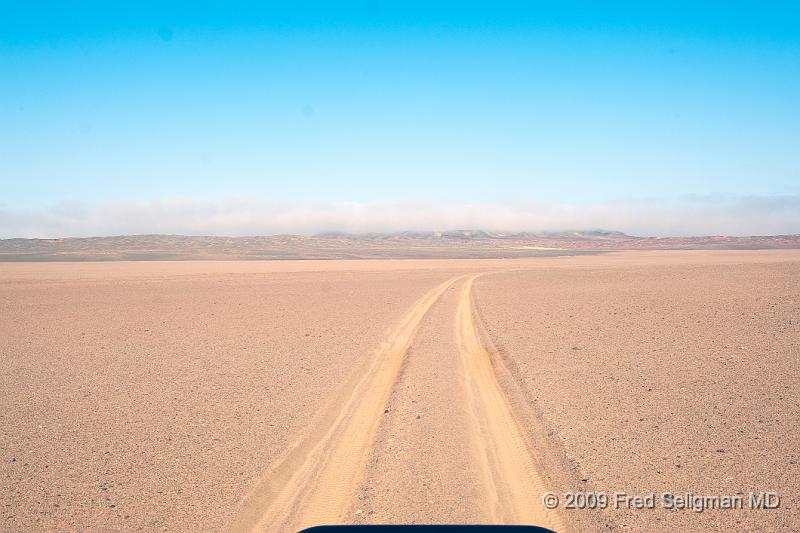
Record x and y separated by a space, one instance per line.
335 245
475 235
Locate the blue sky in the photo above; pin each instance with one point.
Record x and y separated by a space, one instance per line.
560 107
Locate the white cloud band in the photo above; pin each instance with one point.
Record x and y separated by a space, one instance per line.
706 215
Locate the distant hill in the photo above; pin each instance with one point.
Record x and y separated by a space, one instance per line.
407 244
471 235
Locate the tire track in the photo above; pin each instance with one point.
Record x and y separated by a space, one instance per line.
513 484
316 481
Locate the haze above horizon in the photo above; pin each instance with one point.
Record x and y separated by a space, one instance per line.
249 118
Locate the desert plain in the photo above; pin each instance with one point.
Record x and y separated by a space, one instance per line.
272 395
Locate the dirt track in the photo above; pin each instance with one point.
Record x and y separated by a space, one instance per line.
269 396
511 477
314 484
319 479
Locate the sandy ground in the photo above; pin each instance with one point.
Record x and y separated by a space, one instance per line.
244 396
154 399
659 376
420 470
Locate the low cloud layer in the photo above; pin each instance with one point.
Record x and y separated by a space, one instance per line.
692 215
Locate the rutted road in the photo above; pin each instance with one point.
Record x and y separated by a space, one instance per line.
511 478
424 433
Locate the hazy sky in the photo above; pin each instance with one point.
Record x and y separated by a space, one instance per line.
306 116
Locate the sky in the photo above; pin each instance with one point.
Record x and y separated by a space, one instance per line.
244 118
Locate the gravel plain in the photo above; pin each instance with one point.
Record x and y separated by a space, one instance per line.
159 396
151 396
659 373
